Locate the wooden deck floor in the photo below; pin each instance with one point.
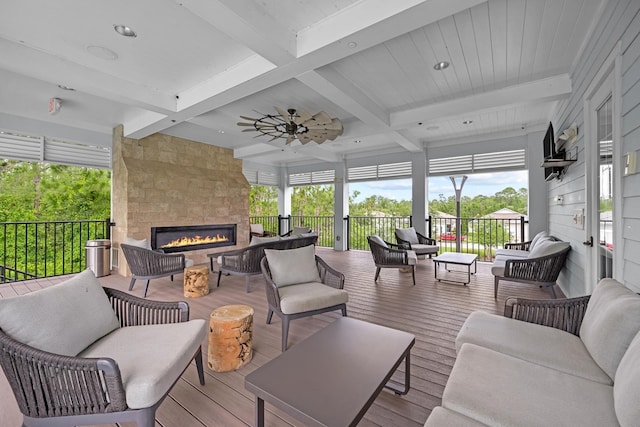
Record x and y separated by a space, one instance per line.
432 311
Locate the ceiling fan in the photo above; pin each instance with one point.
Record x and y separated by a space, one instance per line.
292 124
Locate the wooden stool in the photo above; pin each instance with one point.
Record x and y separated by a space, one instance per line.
196 281
230 337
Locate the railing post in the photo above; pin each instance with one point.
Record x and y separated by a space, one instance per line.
522 229
348 220
429 234
410 220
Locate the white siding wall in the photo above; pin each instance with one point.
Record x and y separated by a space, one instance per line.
620 21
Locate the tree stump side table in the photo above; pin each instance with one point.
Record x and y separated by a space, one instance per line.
196 281
230 337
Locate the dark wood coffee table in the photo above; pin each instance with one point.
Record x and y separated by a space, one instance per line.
333 377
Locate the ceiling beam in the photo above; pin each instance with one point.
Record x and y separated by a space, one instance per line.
544 89
407 16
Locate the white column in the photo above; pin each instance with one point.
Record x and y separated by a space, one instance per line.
419 193
284 197
341 206
538 194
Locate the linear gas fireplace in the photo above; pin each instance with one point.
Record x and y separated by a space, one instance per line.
192 237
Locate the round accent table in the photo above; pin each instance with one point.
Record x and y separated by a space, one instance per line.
230 337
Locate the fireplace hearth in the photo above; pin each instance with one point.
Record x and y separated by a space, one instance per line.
192 237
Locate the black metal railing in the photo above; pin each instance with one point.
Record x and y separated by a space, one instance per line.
31 250
479 235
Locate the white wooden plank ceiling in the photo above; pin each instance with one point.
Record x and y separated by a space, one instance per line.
197 65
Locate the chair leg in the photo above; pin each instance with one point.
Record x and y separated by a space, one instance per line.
413 274
172 277
146 287
285 332
344 310
146 418
495 287
219 275
247 283
269 316
375 279
199 367
133 280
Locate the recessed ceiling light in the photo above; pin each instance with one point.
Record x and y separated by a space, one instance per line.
220 131
467 122
102 53
63 87
357 141
352 45
441 65
123 30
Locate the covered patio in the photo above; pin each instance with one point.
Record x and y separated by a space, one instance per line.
432 311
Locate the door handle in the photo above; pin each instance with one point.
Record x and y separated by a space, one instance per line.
589 242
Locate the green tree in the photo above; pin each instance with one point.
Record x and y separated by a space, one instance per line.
263 200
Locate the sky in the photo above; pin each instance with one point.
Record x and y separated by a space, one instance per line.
484 183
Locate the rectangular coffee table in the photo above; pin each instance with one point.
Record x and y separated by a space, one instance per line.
457 259
333 377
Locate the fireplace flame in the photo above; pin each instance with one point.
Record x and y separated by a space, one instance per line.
195 240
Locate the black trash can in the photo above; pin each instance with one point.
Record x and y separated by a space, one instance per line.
99 256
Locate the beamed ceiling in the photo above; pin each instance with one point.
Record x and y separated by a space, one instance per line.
196 66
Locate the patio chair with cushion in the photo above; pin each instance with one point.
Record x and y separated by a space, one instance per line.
415 241
146 264
297 231
257 230
389 255
300 284
77 353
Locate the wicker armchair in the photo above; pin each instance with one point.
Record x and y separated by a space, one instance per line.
542 271
61 390
286 300
421 245
257 230
389 255
246 261
146 264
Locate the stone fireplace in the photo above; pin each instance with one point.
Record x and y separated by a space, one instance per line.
164 181
192 237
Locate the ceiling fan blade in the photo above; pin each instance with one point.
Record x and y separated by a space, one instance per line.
251 119
321 118
301 117
335 125
304 138
283 113
290 139
244 124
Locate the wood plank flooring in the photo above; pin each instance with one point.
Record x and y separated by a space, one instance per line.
432 311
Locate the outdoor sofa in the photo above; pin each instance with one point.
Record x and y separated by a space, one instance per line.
537 262
548 363
246 261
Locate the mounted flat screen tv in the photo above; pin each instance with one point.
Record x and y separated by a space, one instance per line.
549 147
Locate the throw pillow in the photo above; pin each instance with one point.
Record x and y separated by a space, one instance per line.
407 234
610 322
547 247
626 386
292 266
377 239
63 319
142 243
256 240
536 238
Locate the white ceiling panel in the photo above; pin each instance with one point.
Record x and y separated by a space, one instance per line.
196 66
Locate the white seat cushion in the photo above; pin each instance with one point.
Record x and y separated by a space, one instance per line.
421 249
412 258
442 417
62 319
497 268
542 345
611 321
512 253
501 390
310 296
150 357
